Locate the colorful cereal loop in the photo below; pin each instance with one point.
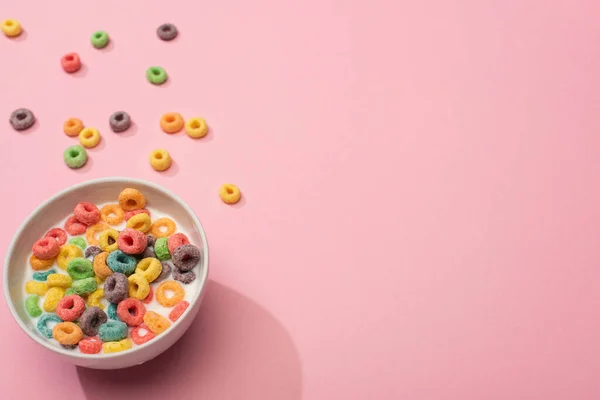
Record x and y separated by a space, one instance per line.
112 214
115 347
40 265
44 321
35 287
171 122
93 231
100 267
140 222
59 280
94 299
131 199
67 253
53 297
230 193
141 334
67 333
156 322
72 126
196 128
89 137
162 228
178 310
161 295
90 345
150 268
160 160
108 240
138 286
31 306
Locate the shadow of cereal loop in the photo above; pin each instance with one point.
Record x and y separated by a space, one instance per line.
233 350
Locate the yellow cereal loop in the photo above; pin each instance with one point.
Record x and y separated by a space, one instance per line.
230 193
53 297
95 297
140 222
138 286
108 240
99 280
89 137
11 27
59 280
196 128
160 160
40 265
92 232
156 322
150 268
35 287
115 347
67 253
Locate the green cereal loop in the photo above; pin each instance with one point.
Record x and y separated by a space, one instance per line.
80 268
69 291
43 276
156 75
84 286
161 249
75 156
79 242
31 305
99 39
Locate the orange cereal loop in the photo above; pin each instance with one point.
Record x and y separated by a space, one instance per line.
171 122
67 333
163 227
131 199
161 295
40 265
156 322
100 267
73 126
112 214
140 222
93 231
230 193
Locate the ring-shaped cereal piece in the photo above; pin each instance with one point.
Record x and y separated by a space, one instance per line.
99 39
59 280
150 268
35 287
119 121
43 276
171 122
115 347
11 27
40 265
112 331
141 334
46 248
31 306
156 75
75 227
150 296
131 241
118 261
230 193
156 229
131 311
101 267
58 234
72 127
131 199
112 214
80 268
161 249
53 297
83 287
94 299
79 242
196 128
156 322
140 222
42 324
130 214
75 156
92 231
71 63
90 345
87 213
138 287
160 160
107 240
178 310
89 137
67 253
176 288
67 333
70 307
116 287
91 320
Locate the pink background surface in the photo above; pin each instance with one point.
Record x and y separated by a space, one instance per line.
421 207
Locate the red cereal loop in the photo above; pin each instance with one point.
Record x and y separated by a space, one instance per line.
131 311
70 307
46 248
74 227
138 338
176 240
129 214
90 345
87 213
131 241
178 310
58 234
150 296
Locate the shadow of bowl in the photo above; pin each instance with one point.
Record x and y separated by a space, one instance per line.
234 349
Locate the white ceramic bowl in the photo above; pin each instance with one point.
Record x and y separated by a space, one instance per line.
55 209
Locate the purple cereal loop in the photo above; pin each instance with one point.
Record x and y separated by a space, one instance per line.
91 319
21 119
184 277
150 240
116 287
148 252
92 251
166 270
186 257
166 32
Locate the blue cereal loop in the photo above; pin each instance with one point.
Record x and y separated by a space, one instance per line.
111 311
43 322
112 331
120 262
43 275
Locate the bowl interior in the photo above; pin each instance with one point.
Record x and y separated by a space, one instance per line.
52 212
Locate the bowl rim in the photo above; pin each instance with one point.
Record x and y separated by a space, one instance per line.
117 180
